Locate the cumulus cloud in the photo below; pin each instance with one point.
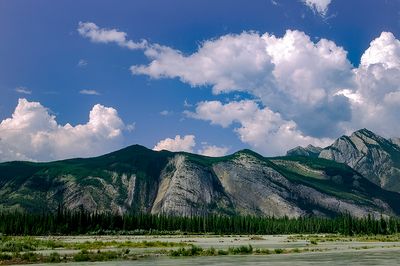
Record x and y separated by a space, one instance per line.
378 87
226 64
23 90
213 151
187 143
98 35
32 133
291 75
89 92
318 6
306 90
261 128
166 113
178 143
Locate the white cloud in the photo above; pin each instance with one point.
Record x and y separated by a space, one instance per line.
89 92
261 128
98 35
178 143
319 6
23 90
166 113
186 104
306 90
213 151
378 87
291 75
82 63
130 127
350 94
275 3
227 64
187 143
33 134
384 51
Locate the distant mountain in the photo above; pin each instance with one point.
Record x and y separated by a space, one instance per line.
375 157
136 179
310 151
395 141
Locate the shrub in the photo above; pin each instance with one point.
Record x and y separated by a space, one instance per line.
210 252
296 250
5 256
29 256
257 238
54 244
53 257
262 251
16 246
222 252
82 256
241 250
192 251
279 251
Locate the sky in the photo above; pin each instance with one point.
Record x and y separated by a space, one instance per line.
83 78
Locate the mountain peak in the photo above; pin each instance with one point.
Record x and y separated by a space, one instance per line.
373 156
309 151
367 133
249 152
364 131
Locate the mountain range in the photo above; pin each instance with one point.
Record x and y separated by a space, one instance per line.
357 174
376 158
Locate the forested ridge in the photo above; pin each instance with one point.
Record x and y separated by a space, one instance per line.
65 222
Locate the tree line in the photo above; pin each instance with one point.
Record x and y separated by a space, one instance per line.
68 222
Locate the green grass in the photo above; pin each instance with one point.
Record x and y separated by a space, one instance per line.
25 244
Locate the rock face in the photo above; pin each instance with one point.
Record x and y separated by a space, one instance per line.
136 179
375 157
187 188
310 151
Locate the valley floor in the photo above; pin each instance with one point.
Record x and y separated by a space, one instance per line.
202 250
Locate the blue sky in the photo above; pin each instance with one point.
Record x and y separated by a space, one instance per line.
46 60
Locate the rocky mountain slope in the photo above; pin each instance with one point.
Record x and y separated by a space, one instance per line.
136 179
375 157
310 151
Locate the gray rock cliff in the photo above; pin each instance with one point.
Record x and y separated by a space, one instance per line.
375 157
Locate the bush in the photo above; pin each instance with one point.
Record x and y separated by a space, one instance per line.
257 238
222 252
16 246
262 251
241 250
110 255
53 257
296 250
54 244
210 252
279 251
192 251
82 256
5 256
29 256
